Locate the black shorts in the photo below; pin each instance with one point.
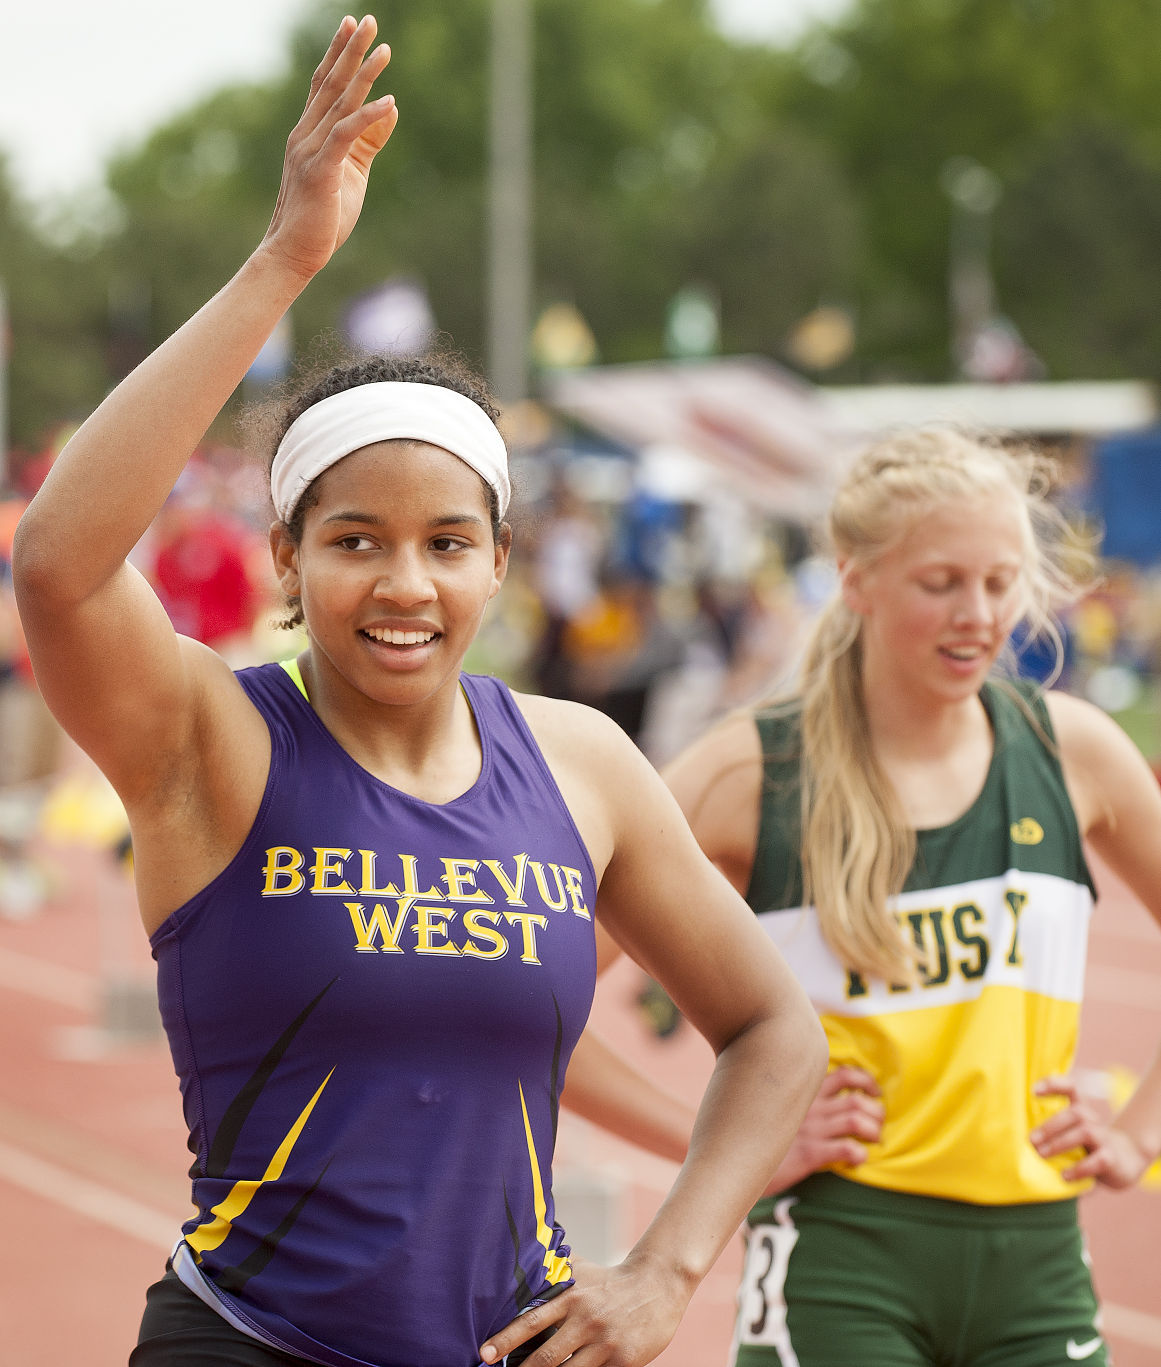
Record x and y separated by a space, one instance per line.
179 1330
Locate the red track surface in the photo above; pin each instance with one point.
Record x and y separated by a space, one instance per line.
93 1158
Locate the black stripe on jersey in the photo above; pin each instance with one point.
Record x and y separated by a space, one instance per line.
554 1090
222 1147
523 1290
233 1279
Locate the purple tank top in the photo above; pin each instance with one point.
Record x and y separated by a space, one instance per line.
370 1013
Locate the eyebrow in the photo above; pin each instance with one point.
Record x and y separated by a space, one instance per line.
370 520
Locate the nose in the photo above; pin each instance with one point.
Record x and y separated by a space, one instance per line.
405 581
974 606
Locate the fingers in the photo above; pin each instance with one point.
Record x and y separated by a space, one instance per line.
1056 1085
522 1328
324 68
848 1077
1076 1127
344 77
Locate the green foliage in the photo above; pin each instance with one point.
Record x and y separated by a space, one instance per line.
901 86
665 155
55 362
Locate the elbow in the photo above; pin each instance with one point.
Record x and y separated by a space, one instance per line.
39 575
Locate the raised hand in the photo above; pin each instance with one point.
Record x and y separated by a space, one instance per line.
843 1118
1111 1156
330 150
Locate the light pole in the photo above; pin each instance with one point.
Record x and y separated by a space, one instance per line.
974 192
510 218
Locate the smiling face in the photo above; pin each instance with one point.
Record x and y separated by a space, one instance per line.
396 565
940 603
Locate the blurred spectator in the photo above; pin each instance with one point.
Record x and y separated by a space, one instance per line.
567 548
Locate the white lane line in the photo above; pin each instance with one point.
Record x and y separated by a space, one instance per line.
52 982
84 1197
1132 1325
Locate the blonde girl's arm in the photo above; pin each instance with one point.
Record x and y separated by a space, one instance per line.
1118 805
105 656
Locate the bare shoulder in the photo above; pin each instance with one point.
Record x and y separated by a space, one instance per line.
724 764
1102 766
596 766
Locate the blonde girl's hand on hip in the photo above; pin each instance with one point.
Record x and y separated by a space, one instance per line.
330 150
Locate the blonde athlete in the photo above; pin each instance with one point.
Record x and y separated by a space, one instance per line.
371 880
909 832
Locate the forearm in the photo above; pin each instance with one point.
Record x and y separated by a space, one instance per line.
1140 1118
119 467
762 1084
606 1089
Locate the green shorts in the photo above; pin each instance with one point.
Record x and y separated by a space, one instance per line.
839 1274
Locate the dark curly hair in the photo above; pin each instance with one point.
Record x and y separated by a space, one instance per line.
444 368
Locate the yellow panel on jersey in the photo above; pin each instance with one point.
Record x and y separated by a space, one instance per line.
999 902
216 1231
556 1268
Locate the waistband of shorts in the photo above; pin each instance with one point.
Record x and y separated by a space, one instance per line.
828 1191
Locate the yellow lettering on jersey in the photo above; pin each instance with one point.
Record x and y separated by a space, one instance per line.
527 921
1016 901
572 878
411 879
328 864
380 924
429 923
960 918
460 874
472 924
367 886
513 891
542 884
281 872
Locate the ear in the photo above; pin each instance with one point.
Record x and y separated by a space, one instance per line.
852 587
503 551
284 553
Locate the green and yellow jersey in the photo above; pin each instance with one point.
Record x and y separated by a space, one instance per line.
999 901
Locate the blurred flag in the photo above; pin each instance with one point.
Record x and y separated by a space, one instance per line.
394 318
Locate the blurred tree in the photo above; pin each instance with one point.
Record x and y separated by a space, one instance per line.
1077 251
55 299
897 88
644 112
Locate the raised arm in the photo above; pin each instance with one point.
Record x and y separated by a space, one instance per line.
1118 805
675 914
110 666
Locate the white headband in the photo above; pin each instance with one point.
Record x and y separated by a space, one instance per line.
367 413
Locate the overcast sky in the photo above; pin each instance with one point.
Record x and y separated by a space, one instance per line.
82 77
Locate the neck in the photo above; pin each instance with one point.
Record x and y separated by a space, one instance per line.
428 748
911 725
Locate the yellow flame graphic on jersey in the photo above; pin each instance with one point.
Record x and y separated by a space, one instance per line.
215 1232
556 1268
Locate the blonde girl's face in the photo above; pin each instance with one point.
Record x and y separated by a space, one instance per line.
940 604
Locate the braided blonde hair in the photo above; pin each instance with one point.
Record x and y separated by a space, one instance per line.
857 846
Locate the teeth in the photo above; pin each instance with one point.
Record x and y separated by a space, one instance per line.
968 653
400 638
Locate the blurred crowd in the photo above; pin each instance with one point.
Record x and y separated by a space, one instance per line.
664 614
